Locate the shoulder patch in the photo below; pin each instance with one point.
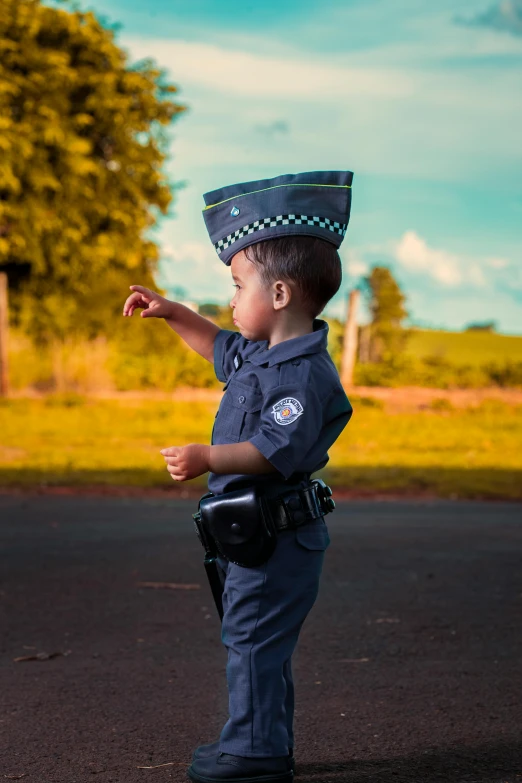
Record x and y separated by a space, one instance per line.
287 410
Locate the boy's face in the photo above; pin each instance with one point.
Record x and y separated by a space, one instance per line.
252 303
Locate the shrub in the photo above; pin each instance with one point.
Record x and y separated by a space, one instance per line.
68 399
437 373
441 405
508 374
366 402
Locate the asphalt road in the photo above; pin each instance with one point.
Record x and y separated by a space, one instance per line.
409 667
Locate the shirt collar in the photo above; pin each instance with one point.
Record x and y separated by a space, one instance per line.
289 349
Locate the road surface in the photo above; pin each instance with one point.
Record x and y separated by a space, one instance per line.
409 667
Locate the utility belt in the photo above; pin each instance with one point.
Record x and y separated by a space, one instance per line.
242 525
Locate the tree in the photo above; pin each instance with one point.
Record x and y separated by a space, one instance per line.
386 304
210 310
82 143
482 326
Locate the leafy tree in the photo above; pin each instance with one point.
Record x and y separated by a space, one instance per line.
482 326
210 310
221 314
386 303
82 143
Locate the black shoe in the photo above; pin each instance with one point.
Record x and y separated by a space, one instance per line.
212 749
204 751
223 767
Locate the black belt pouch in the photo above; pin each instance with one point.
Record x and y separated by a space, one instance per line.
241 525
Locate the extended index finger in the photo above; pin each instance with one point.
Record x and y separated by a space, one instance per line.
131 300
139 288
170 451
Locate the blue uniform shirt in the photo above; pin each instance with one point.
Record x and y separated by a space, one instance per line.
287 401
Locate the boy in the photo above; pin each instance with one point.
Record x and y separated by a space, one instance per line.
283 408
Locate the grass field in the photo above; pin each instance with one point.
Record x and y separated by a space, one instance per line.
89 367
443 450
472 347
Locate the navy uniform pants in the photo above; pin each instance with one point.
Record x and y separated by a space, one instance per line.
264 610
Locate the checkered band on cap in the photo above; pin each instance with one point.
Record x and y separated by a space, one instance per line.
280 220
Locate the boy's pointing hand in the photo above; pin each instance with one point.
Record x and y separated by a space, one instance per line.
187 462
153 304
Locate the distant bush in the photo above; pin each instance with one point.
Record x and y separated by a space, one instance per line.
494 407
483 326
437 373
68 399
508 374
377 374
442 405
143 354
366 402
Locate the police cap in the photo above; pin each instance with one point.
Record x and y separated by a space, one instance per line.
313 203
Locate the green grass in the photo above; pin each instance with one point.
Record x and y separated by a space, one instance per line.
154 358
74 441
475 348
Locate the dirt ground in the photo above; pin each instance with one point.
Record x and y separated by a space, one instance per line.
403 399
408 669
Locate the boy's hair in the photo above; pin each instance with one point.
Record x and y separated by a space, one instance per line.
312 264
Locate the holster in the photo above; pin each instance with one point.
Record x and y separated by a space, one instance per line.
242 525
239 525
214 574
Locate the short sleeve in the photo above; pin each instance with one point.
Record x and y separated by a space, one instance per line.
227 345
291 422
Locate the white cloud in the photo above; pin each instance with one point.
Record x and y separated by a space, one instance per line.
497 263
411 109
195 267
451 270
414 254
444 43
355 266
342 111
248 74
198 253
476 275
505 15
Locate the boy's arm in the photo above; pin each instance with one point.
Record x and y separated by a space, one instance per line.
187 462
199 333
238 458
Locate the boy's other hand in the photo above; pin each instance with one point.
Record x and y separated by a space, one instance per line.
155 306
187 462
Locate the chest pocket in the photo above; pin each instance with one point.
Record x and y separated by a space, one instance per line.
239 413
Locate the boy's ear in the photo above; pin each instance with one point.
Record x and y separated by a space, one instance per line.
282 294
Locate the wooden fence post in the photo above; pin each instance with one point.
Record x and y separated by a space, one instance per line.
350 339
364 344
4 321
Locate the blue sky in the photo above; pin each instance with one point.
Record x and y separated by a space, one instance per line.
422 100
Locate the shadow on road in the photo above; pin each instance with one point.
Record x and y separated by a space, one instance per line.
487 763
462 482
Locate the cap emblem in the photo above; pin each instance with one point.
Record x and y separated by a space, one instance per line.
234 211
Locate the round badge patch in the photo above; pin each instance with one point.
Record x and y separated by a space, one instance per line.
288 410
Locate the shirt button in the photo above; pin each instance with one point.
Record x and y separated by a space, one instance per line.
241 399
